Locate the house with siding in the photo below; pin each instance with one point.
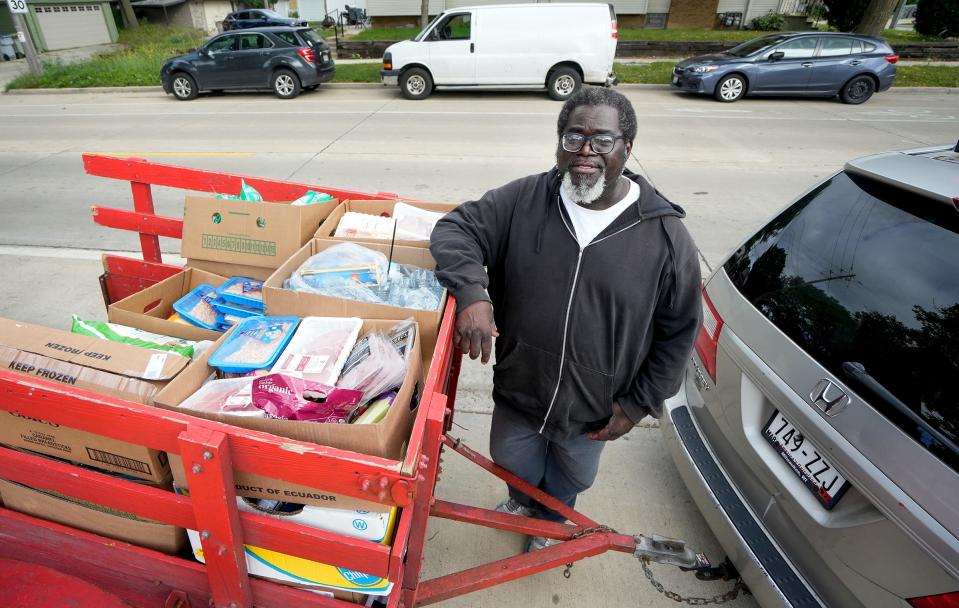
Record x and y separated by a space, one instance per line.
671 14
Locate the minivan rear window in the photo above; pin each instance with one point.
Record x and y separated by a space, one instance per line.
857 272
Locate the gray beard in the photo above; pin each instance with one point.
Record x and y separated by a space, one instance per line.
585 193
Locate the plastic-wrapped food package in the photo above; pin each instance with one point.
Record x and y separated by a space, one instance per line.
319 348
132 336
293 398
256 343
377 410
413 223
311 198
373 367
355 225
353 272
247 193
243 291
233 396
196 306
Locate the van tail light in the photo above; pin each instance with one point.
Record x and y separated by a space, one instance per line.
892 58
943 600
615 29
707 341
307 54
387 61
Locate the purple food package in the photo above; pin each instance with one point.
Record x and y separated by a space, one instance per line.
292 398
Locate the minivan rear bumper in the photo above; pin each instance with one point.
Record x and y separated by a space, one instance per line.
765 570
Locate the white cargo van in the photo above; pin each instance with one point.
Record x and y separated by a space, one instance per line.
509 46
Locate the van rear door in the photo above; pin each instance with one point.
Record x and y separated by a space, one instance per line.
450 47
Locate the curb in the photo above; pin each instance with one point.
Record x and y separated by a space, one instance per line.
366 85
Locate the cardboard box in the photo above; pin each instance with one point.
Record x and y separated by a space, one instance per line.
148 309
328 227
282 302
304 573
246 233
386 438
225 269
92 518
108 368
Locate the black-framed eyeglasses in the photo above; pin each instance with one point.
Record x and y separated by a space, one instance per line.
600 143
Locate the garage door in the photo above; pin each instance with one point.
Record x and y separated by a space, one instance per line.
72 25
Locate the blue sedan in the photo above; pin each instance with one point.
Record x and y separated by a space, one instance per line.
820 64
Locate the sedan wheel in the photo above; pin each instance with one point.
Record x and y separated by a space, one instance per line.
285 84
730 88
184 87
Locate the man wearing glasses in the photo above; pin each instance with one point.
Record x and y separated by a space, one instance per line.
590 283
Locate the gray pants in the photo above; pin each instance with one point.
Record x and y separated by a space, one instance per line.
562 469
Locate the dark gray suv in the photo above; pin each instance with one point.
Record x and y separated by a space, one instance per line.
817 429
820 64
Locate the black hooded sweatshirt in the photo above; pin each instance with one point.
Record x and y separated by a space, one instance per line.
578 327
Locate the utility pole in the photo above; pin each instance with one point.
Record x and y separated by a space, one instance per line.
18 8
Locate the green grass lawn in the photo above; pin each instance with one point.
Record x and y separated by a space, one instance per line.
393 34
146 48
357 72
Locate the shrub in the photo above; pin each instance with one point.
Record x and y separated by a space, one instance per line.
768 23
938 17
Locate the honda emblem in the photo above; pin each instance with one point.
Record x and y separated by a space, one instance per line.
829 398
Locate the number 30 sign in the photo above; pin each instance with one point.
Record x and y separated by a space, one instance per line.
17 6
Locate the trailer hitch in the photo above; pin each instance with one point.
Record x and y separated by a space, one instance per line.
674 552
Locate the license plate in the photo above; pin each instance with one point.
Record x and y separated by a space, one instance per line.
805 460
675 79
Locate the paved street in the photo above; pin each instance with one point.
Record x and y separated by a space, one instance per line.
730 166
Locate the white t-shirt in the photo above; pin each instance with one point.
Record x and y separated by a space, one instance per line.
588 223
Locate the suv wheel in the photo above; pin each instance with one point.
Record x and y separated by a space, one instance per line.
562 83
857 90
416 83
286 84
184 86
730 88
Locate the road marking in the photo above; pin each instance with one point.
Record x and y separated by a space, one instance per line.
243 154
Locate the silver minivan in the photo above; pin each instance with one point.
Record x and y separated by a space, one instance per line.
817 428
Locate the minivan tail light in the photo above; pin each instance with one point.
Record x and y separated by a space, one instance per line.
307 54
707 341
943 600
615 29
891 58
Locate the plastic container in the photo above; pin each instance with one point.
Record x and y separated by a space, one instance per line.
243 291
319 348
236 310
256 343
197 306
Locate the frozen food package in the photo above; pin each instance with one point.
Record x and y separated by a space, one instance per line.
377 409
243 291
233 396
373 367
293 398
413 223
196 306
319 348
256 343
355 225
132 336
402 336
247 193
353 272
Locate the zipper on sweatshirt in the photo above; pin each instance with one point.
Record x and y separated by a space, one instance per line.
569 306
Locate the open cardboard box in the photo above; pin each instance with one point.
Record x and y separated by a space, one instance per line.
328 227
149 309
245 233
100 366
387 438
280 301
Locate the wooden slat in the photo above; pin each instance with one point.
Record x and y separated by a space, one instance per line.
144 223
139 170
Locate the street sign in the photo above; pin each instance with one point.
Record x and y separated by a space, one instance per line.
17 7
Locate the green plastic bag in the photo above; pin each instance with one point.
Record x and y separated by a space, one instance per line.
247 193
132 336
311 198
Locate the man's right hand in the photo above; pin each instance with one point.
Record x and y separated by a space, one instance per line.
475 330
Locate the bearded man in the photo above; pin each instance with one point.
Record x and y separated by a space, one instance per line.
591 285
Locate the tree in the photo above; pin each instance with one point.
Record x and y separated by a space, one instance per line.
129 18
424 13
875 17
938 17
845 14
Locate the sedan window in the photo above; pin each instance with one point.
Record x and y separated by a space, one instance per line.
799 48
833 47
241 15
754 46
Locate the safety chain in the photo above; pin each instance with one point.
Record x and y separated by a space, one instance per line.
692 601
568 571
